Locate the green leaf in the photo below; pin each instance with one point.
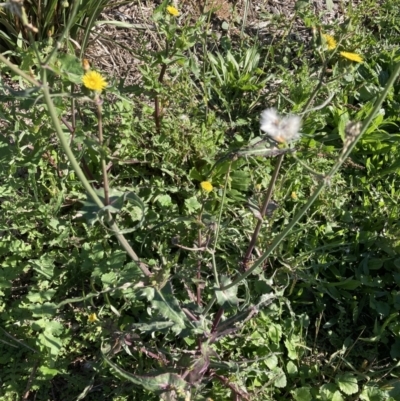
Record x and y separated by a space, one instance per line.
271 361
196 175
118 200
348 284
291 368
54 327
347 383
45 310
168 307
280 380
329 5
330 392
164 200
44 266
395 349
152 327
71 66
226 296
395 388
343 120
275 332
372 394
240 180
291 348
49 373
192 204
156 382
302 394
52 343
337 396
109 279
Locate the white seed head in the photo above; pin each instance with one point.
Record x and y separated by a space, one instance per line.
280 129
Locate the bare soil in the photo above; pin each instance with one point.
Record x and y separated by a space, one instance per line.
116 50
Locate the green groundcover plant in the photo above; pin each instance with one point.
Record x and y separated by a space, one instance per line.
179 240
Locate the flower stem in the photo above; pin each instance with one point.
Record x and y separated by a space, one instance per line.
267 199
347 149
103 160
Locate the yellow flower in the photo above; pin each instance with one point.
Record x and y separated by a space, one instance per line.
352 56
94 81
173 11
206 186
92 318
294 196
330 41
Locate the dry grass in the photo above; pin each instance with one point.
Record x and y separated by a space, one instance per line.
113 49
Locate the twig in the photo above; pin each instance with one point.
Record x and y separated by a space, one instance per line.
30 380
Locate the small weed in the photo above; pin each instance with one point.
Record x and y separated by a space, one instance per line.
161 241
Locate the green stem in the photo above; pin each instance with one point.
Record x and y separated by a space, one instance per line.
349 146
218 226
71 21
103 160
22 74
209 306
64 142
75 165
263 211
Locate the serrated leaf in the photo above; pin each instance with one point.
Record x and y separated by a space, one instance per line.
53 344
240 180
347 383
109 279
337 396
157 382
227 296
44 266
47 309
192 204
372 394
164 200
72 67
280 380
168 307
326 391
117 199
302 394
330 392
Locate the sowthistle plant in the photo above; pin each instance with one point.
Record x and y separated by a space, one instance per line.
186 371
